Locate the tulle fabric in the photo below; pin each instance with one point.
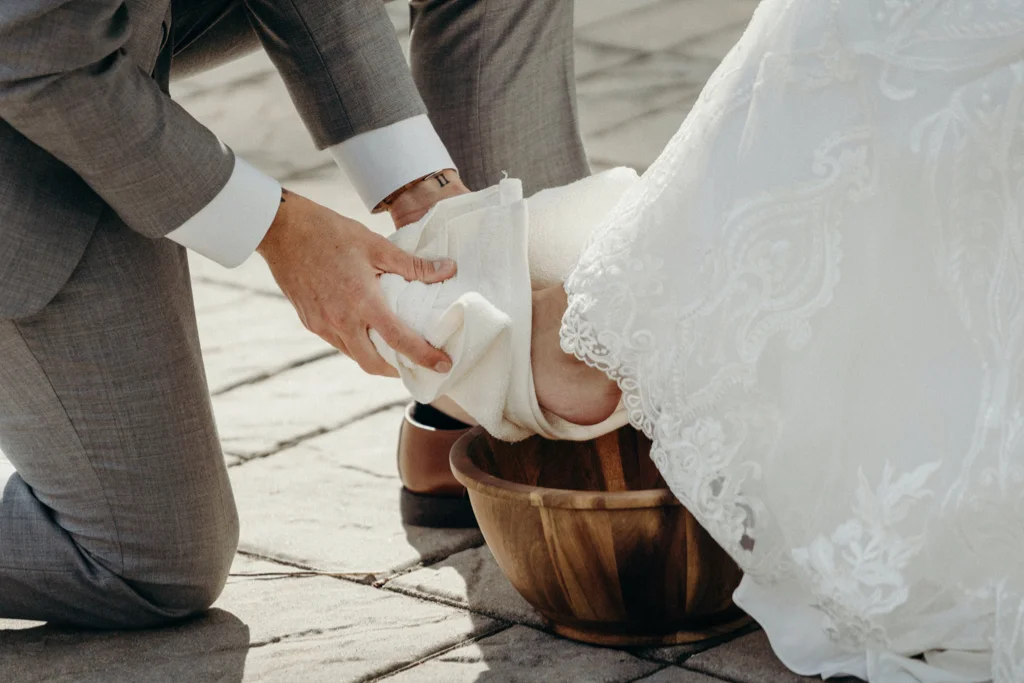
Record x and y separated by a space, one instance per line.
814 304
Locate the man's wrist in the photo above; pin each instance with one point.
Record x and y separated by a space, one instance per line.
280 219
437 179
410 203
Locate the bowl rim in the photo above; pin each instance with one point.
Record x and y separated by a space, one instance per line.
475 479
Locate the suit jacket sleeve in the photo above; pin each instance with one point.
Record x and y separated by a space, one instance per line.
67 84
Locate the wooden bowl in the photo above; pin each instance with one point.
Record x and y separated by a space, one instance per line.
590 535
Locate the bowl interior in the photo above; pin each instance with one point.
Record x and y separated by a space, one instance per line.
619 461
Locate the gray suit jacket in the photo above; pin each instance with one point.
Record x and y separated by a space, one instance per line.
86 122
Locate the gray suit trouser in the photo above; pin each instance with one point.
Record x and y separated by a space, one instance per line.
121 512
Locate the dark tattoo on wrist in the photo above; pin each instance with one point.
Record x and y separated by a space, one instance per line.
284 193
441 178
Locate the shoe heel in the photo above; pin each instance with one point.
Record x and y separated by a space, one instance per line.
436 512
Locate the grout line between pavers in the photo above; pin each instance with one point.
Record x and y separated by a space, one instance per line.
634 59
319 431
448 602
501 626
369 472
363 578
382 582
598 45
269 374
370 578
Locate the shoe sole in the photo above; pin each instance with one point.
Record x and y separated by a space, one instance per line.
437 512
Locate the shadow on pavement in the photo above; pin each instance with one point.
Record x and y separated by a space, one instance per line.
493 656
211 647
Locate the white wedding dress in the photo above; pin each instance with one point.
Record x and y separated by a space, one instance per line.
813 302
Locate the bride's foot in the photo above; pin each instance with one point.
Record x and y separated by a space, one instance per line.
565 386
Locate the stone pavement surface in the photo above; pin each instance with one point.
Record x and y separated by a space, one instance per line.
328 585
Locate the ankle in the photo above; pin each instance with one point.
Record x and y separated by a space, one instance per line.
548 308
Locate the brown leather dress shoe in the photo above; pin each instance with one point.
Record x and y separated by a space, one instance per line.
431 496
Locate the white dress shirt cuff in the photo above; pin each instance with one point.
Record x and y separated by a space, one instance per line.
229 228
380 161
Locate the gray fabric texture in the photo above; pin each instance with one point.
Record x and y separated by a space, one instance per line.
121 512
498 80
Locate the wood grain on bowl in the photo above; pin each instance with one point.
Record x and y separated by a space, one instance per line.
588 533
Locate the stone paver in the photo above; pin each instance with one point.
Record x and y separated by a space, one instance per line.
588 12
312 629
367 445
621 94
638 142
246 336
354 594
662 25
251 276
473 580
470 579
317 397
271 624
212 299
594 58
332 504
711 46
523 655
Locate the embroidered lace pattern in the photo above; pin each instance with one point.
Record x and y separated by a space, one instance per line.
813 302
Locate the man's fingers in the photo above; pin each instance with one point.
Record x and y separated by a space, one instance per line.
320 328
365 353
406 342
391 259
332 338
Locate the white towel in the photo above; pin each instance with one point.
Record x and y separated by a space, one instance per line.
482 317
561 220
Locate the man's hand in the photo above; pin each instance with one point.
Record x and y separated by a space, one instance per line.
327 265
414 202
